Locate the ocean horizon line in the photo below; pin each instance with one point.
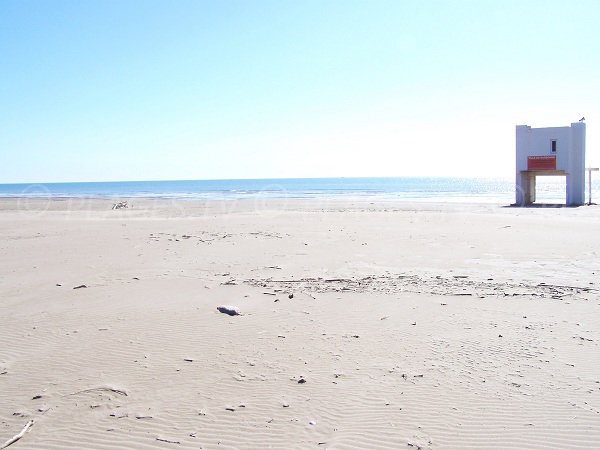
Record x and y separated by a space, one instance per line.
349 177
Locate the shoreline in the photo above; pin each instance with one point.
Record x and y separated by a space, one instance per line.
376 198
332 198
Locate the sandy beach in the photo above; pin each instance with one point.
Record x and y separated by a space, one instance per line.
363 325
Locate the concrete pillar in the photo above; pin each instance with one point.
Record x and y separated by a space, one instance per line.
532 180
526 192
521 181
576 172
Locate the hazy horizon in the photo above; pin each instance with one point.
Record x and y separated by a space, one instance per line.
145 90
366 177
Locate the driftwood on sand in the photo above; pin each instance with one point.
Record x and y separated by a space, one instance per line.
101 389
120 205
18 436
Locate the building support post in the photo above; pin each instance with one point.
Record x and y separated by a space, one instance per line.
590 170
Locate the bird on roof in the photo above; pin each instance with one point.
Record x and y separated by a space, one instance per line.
582 119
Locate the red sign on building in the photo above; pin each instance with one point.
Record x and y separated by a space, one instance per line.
541 163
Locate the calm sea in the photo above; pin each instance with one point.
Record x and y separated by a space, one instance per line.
549 189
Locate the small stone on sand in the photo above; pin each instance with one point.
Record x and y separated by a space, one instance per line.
229 310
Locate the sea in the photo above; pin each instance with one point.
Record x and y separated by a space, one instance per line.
435 189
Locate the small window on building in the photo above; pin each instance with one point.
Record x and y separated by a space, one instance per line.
553 145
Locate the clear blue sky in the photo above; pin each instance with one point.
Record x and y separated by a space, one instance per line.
135 90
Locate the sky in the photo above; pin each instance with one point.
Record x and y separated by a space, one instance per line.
113 90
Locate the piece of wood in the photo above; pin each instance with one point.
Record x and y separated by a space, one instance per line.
105 389
120 205
16 437
168 441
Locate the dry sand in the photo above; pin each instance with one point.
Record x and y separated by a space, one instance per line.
411 325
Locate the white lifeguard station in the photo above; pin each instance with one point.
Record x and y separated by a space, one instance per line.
550 151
